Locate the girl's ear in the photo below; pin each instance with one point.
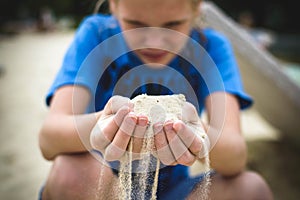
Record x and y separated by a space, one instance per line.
112 6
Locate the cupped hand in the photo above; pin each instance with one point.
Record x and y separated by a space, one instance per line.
182 141
116 127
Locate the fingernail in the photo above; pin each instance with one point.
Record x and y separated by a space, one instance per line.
142 121
133 117
168 126
178 125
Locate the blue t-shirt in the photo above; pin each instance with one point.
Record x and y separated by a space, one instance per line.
99 59
115 60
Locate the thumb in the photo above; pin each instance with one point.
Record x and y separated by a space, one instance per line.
189 113
115 103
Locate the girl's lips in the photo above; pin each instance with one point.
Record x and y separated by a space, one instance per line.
153 55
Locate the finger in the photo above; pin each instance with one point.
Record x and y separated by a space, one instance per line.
139 133
120 115
189 113
189 137
163 150
201 134
179 150
98 138
115 103
118 146
142 125
106 128
111 128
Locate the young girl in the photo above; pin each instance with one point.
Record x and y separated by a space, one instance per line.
140 49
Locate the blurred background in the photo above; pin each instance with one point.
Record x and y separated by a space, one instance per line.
34 36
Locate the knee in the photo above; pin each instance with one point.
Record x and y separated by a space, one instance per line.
65 180
246 185
252 186
62 181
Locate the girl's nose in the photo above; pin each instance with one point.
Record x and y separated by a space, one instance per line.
154 39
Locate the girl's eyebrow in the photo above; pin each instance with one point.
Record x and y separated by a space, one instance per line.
170 23
175 22
134 22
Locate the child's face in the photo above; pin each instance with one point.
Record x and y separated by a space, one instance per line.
151 43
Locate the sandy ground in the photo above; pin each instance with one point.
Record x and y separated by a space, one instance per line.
28 63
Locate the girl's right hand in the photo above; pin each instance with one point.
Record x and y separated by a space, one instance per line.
112 133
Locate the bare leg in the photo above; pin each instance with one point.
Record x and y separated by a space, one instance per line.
246 185
77 177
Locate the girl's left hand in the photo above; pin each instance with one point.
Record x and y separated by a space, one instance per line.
183 141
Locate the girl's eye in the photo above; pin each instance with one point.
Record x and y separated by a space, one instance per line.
173 25
135 24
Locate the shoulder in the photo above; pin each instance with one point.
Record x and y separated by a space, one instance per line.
100 23
210 38
215 38
214 42
99 19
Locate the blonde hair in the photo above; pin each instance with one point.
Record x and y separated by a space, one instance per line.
100 2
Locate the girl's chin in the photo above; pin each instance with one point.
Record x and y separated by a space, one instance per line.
156 65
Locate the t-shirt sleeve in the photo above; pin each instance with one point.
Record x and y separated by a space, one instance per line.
85 40
221 52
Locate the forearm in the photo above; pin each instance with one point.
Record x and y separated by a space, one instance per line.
229 153
228 148
62 134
